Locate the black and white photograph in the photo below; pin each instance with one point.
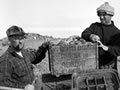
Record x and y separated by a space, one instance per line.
59 44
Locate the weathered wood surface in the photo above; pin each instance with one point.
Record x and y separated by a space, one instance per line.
68 58
9 88
102 79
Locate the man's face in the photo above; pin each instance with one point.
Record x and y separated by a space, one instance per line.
17 42
105 18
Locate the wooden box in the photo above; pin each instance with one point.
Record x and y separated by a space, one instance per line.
101 79
68 58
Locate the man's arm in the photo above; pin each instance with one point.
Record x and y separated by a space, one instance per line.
114 45
86 34
40 53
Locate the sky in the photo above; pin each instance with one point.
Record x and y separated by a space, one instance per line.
57 18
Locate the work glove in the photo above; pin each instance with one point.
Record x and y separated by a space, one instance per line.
104 47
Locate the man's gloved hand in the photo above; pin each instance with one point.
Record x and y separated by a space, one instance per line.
94 37
29 87
45 44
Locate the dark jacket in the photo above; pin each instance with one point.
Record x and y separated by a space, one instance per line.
109 36
17 71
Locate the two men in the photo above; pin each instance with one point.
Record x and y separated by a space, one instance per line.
15 63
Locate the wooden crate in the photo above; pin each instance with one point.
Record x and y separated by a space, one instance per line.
101 79
68 58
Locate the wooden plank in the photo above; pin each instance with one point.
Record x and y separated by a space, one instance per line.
9 88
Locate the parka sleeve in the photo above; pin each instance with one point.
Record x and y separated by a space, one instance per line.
114 46
87 32
40 53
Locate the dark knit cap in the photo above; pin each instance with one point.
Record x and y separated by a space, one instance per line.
15 31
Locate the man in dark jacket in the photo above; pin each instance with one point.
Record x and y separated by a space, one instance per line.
106 34
16 63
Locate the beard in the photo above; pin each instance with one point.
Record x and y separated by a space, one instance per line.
17 48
